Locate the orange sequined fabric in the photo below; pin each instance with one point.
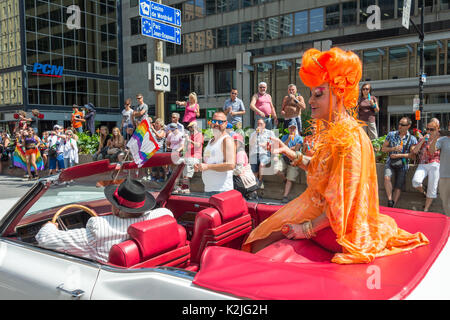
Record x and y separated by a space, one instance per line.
342 182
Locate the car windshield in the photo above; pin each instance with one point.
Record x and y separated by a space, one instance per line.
91 188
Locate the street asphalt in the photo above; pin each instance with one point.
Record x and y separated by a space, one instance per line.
13 187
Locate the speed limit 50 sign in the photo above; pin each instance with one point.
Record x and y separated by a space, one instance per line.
161 80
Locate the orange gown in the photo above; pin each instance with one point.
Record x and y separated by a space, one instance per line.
342 182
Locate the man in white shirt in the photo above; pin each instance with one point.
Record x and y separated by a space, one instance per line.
219 158
130 204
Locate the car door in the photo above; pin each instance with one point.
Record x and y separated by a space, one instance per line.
29 272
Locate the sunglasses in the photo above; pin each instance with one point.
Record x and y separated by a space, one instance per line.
138 98
365 89
403 124
218 121
431 129
262 87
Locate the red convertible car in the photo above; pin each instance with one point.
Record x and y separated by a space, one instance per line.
196 254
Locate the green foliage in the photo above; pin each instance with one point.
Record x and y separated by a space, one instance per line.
87 144
377 144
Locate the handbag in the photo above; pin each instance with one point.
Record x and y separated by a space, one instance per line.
398 163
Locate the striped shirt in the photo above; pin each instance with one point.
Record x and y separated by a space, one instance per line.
94 241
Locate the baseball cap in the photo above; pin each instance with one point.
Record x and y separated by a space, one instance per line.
292 123
56 126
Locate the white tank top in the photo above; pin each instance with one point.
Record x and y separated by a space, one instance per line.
215 180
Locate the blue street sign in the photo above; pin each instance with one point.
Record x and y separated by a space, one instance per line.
159 12
161 31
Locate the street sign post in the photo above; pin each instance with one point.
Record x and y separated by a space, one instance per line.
162 76
160 31
159 12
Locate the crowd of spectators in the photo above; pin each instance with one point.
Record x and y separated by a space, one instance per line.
225 160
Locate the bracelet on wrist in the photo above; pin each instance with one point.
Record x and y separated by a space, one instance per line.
307 229
298 159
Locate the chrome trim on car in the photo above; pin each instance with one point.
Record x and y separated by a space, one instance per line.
175 272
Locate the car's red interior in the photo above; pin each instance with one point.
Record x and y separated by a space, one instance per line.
156 242
211 239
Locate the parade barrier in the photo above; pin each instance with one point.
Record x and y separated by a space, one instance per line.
274 186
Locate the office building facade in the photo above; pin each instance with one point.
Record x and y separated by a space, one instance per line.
238 43
58 53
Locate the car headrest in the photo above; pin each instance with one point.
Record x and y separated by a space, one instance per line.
230 204
155 236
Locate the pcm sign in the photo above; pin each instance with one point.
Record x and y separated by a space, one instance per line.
161 79
47 70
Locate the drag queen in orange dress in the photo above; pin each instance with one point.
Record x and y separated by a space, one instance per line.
342 188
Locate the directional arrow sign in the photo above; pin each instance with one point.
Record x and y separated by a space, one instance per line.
159 12
161 31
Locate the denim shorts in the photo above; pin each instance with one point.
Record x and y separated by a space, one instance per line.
399 176
58 159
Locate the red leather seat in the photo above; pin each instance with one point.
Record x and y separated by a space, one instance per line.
226 223
155 242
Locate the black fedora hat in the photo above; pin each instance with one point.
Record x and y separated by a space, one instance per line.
130 196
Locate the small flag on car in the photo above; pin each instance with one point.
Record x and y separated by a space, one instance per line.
142 144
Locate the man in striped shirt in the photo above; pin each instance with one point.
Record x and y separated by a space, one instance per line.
130 204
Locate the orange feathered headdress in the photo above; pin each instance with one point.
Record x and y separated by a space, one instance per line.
341 69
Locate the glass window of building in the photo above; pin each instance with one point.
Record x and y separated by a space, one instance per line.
139 53
398 60
349 13
332 16
286 25
246 3
198 83
258 30
200 41
210 6
301 22
210 39
372 65
363 5
444 4
233 35
184 85
441 51
221 6
225 80
246 32
200 9
316 20
233 5
448 57
188 10
430 54
387 9
135 25
264 73
282 80
222 37
272 28
189 42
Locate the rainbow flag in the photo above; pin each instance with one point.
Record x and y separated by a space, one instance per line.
20 160
142 144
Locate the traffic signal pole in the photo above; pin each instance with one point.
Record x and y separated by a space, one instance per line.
421 33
